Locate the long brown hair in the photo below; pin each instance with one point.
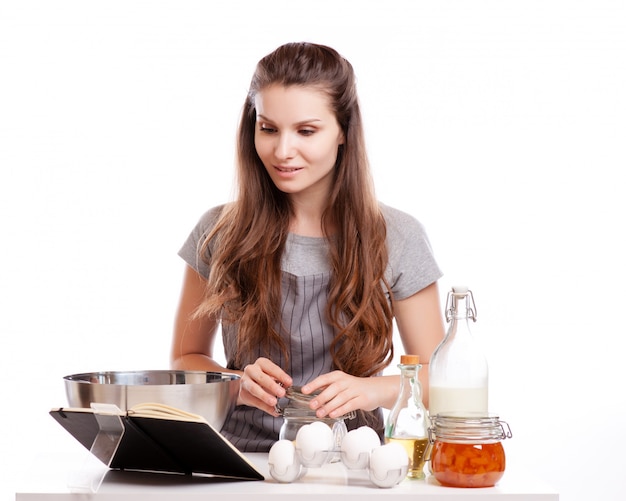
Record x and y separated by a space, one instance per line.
246 245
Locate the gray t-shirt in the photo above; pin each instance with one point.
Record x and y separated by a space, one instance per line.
305 278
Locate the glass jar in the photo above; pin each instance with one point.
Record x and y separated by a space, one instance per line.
296 413
294 419
467 449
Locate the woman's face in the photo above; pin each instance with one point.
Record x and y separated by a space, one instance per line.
297 138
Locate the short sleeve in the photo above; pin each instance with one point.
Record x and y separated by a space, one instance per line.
412 265
190 252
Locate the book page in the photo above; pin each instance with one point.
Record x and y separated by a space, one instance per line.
157 410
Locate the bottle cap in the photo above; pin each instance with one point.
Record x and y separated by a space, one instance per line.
409 359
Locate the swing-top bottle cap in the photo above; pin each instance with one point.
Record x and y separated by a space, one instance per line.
409 359
460 289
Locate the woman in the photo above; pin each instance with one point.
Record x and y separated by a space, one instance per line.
305 270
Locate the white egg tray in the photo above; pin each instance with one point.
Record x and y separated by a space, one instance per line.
360 449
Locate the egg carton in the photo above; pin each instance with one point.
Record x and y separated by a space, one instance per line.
360 449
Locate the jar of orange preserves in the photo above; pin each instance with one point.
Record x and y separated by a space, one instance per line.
467 450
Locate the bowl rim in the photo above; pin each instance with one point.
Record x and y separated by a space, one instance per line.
83 377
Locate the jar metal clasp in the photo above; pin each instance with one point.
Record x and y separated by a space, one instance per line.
505 433
298 400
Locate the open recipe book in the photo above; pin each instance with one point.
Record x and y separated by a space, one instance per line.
155 437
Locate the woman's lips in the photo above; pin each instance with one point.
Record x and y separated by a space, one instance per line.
286 170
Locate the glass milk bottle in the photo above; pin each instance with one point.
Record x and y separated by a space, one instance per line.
407 422
458 371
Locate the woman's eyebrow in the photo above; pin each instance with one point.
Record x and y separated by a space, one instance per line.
302 122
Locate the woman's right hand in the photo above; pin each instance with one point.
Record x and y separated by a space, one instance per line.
262 384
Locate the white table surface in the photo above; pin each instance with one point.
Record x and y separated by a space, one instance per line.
48 476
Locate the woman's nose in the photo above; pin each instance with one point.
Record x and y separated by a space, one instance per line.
284 147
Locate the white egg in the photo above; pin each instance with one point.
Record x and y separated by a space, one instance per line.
283 462
389 464
282 454
313 443
313 437
369 435
356 447
324 433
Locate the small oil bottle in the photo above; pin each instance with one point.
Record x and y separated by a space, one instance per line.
407 422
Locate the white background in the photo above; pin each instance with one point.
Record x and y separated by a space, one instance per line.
499 124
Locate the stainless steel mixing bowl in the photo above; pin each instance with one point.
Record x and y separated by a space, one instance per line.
209 394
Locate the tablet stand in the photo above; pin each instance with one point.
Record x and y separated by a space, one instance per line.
90 476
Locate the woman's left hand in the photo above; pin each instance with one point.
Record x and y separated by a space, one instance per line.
342 393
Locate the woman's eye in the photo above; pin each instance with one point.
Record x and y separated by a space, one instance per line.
306 132
267 129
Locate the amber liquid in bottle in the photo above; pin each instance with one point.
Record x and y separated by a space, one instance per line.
416 450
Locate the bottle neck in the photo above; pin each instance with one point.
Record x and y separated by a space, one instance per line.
459 310
410 383
409 372
460 307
